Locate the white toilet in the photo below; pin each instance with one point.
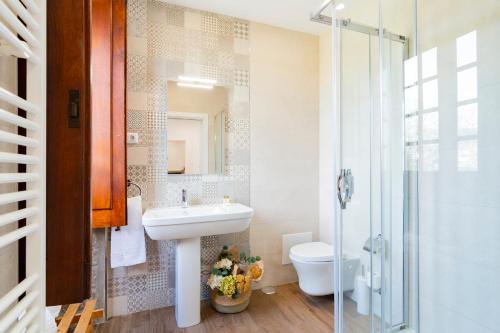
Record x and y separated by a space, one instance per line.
314 265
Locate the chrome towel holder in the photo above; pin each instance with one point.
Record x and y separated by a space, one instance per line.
131 183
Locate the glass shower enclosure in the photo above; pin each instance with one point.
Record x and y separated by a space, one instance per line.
373 225
416 90
376 251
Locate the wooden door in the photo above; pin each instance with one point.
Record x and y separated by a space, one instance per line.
86 183
68 152
108 87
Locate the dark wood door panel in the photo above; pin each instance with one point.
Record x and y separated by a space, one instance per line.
86 157
68 154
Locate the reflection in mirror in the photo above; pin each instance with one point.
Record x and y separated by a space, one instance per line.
196 127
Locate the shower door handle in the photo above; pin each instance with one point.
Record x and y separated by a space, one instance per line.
345 187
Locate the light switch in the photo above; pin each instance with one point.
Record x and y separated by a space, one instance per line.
132 138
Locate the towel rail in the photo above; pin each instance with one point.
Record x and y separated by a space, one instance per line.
131 183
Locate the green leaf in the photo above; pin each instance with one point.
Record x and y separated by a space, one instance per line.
225 247
258 258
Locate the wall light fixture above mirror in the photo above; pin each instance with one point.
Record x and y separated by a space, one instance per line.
193 82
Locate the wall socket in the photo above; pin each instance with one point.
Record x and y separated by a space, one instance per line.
132 138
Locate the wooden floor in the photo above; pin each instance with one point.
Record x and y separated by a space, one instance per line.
289 310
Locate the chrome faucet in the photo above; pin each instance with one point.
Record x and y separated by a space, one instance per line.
184 198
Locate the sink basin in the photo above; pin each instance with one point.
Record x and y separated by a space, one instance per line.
187 225
196 221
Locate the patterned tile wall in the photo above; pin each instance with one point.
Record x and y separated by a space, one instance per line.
165 41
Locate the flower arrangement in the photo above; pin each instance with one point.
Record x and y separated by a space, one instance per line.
232 275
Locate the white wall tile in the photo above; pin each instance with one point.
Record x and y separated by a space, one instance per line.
137 100
241 46
192 70
137 46
241 94
192 20
137 155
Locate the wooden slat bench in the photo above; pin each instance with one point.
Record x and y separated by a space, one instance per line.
82 320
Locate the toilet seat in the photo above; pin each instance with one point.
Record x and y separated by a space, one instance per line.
312 252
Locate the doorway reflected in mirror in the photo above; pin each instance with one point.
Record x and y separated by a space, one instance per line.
196 128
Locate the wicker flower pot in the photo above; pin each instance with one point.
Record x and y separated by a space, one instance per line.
225 304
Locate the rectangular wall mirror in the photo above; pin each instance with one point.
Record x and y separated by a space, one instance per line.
197 111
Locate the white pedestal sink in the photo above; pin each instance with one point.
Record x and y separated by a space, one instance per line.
187 225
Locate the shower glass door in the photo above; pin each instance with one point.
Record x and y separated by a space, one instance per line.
371 216
356 161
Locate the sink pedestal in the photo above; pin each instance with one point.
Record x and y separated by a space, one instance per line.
187 226
187 282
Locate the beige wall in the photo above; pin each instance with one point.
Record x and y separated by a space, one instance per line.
284 102
326 140
8 255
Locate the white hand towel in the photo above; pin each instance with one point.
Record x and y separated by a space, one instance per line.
128 246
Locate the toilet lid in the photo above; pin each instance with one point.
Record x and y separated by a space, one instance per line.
312 252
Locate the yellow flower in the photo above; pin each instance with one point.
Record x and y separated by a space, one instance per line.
228 285
240 282
248 282
243 283
257 270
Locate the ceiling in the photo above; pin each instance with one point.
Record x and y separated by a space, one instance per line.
289 14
